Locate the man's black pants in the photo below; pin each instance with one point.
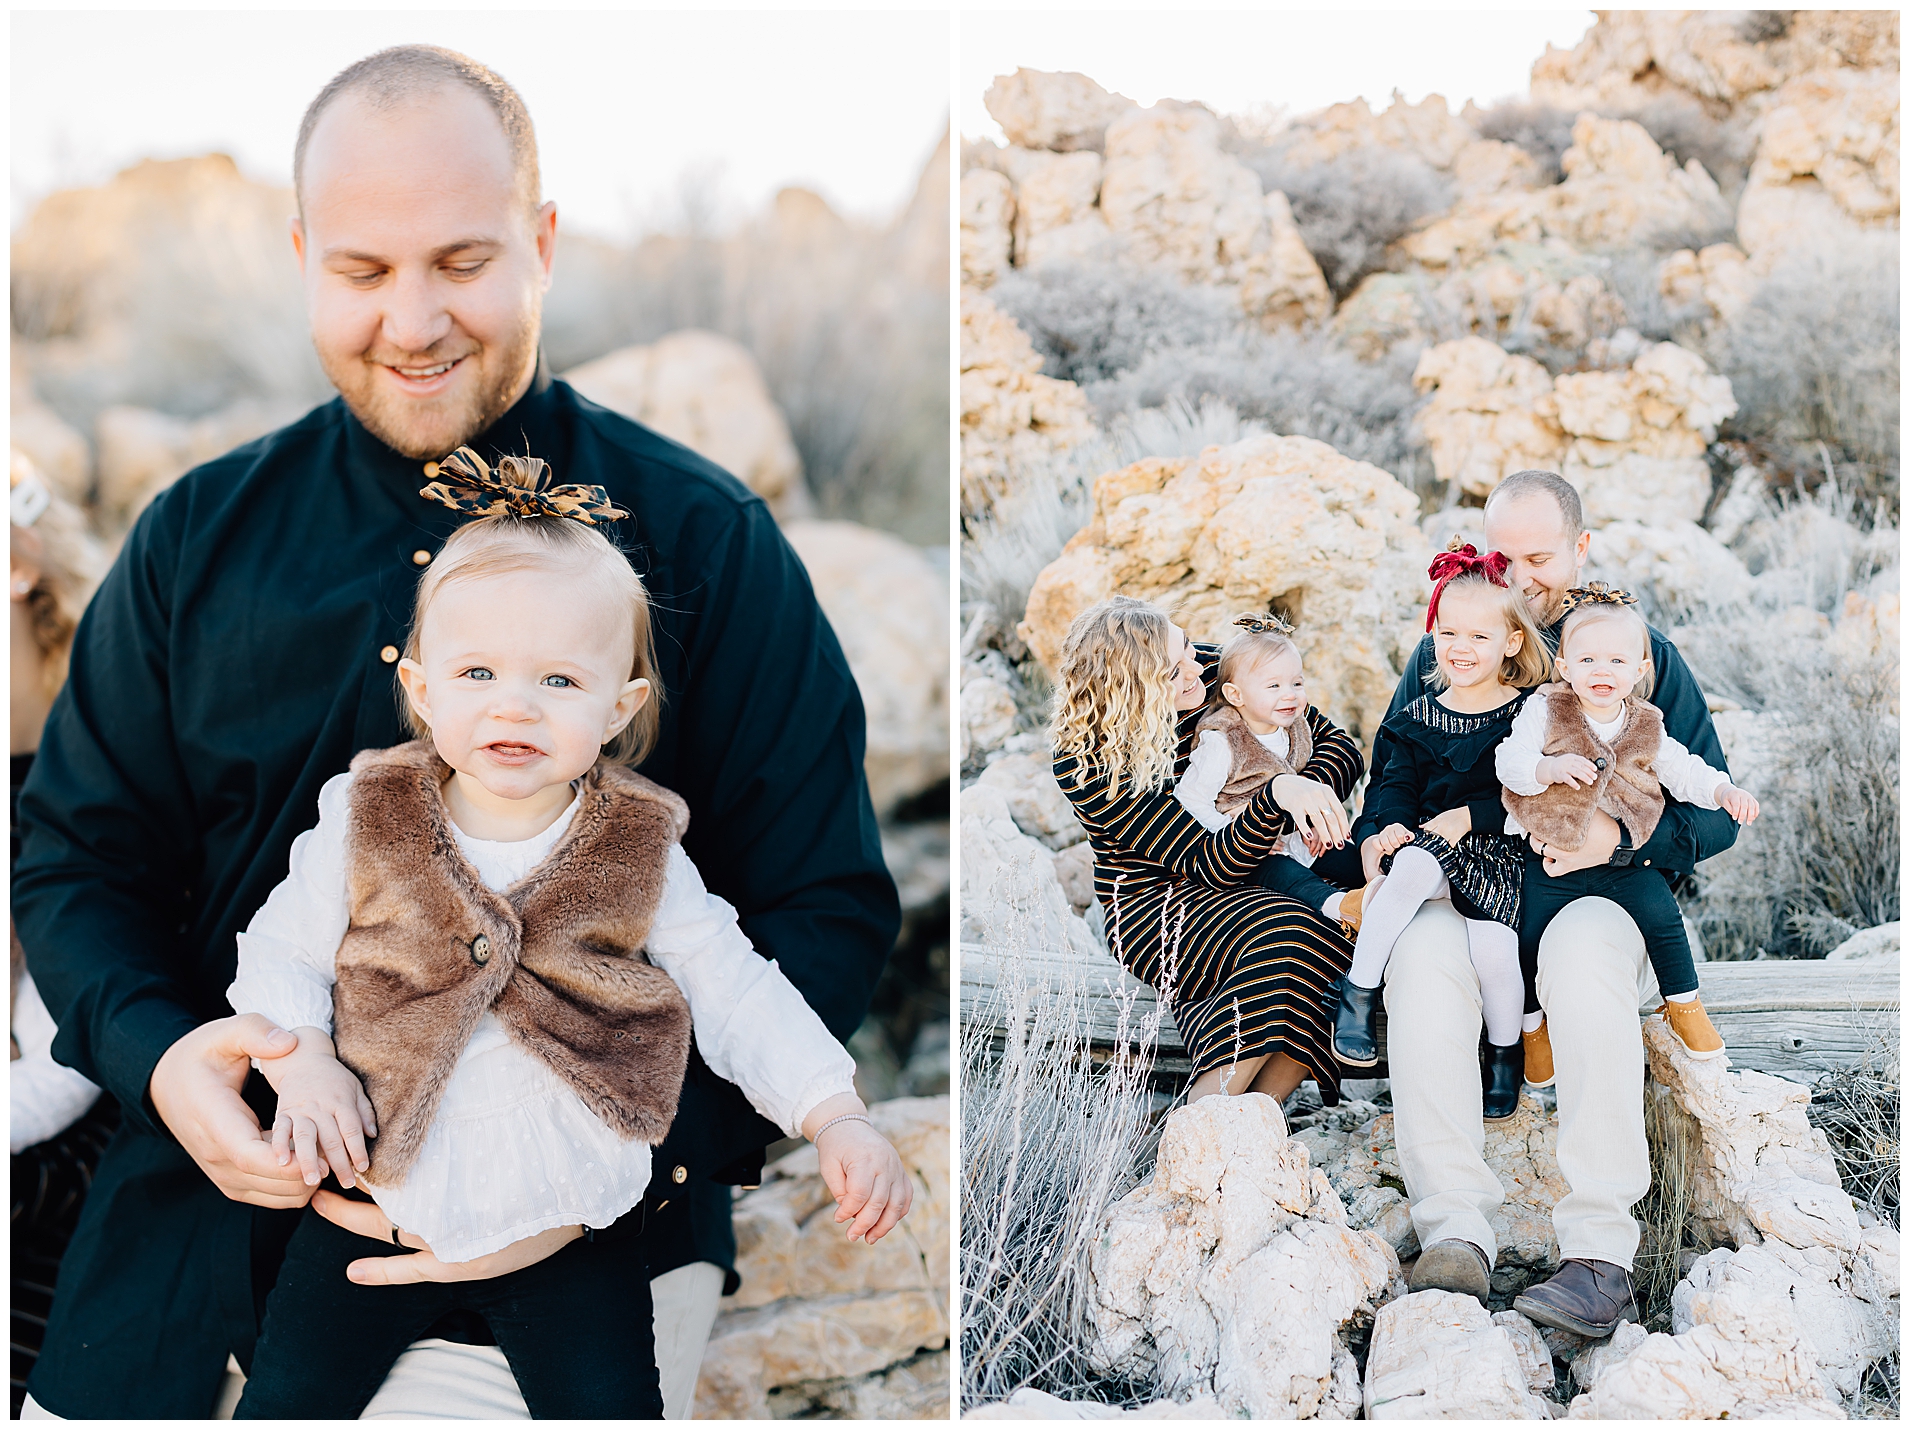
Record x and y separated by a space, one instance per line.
576 1329
1643 893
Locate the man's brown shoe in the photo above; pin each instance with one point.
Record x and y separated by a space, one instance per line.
1589 1297
1453 1265
1693 1027
1538 1056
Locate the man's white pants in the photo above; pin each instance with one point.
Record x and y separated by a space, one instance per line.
1593 979
440 1380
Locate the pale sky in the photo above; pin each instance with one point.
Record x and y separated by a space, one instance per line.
625 103
1239 61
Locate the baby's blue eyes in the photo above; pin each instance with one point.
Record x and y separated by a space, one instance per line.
559 681
478 672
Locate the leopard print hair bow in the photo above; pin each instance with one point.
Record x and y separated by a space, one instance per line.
1264 623
519 487
1597 593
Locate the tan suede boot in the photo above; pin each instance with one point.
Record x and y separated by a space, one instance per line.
1538 1056
1350 906
1693 1027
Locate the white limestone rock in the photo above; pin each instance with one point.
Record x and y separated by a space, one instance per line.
1437 1355
1058 110
1030 1404
1680 567
1011 896
888 604
1265 521
1035 801
1233 1272
1014 420
988 216
988 713
1881 944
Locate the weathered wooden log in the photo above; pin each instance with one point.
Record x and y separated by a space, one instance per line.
1781 1016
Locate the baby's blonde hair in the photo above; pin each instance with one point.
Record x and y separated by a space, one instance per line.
70 564
1114 702
1580 617
1531 663
1264 636
497 545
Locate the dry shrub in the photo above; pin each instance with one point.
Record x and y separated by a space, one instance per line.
1091 321
1815 362
1541 130
1859 1110
1052 1136
1351 207
1666 1226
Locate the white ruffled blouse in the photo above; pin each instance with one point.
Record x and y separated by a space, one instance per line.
513 1150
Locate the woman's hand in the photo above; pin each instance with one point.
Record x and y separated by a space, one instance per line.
1452 826
1316 810
368 1219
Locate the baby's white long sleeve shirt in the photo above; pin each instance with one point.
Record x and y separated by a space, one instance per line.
1685 776
1206 775
513 1150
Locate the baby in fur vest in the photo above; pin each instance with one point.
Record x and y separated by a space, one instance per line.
494 953
1256 727
1593 742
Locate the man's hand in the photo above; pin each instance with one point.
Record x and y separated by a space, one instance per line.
195 1090
1452 826
368 1220
1740 804
324 1116
1600 840
1573 770
1314 807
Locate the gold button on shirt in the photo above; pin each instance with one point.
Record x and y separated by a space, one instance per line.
431 471
421 558
389 654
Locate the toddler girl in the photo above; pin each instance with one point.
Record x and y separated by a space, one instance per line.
1254 729
1593 742
494 952
1440 816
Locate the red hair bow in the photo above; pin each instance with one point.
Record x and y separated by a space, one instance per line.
1463 561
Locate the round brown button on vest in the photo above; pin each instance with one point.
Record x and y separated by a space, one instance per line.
680 1175
480 950
431 470
389 654
421 558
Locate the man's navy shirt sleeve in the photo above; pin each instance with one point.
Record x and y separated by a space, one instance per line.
1686 834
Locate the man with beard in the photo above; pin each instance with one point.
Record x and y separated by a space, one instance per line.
1593 979
176 770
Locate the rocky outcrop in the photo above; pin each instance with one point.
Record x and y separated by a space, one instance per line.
988 219
172 287
1011 894
1176 199
1882 943
1827 164
889 606
1437 1355
1035 802
1428 130
821 1323
1713 283
1014 420
705 391
1061 111
988 713
1232 1271
1521 1150
1679 568
1632 441
1268 522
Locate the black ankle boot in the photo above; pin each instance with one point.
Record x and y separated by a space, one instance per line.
1354 1042
1504 1072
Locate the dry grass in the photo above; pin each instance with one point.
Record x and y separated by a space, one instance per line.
1051 1138
1665 1223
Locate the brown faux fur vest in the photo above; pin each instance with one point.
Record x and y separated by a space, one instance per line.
1627 788
557 956
1253 763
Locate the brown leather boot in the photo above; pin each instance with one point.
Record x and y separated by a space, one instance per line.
1693 1027
1453 1265
1589 1297
1538 1056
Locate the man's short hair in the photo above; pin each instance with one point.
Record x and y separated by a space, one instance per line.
1533 482
406 72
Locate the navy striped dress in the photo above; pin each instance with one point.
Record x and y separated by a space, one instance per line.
1247 972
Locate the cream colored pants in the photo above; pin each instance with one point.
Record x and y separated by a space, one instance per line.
441 1380
1593 979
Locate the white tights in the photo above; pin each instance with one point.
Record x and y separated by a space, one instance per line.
1417 877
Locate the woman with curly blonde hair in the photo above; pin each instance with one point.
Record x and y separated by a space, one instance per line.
1249 974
